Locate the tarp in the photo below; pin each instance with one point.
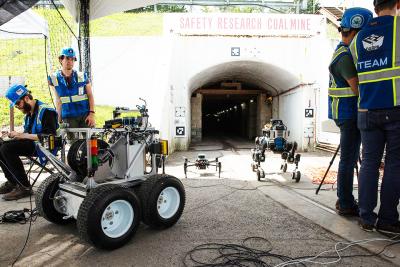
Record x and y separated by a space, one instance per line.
12 8
98 8
101 8
29 23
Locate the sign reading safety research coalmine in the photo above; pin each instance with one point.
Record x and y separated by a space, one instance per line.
244 24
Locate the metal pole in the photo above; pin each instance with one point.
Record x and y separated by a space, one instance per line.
313 6
84 36
11 109
327 170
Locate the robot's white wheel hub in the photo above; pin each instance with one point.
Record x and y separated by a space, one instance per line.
168 202
117 218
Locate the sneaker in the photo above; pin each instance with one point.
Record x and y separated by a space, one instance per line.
6 187
365 226
388 229
17 193
347 212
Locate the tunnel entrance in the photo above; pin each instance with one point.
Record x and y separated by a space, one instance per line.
229 109
254 87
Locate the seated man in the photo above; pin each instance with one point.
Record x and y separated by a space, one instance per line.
39 119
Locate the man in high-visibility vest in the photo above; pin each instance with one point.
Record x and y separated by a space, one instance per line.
74 97
376 54
39 119
343 96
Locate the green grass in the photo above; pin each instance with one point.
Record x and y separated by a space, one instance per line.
23 57
128 24
119 24
103 113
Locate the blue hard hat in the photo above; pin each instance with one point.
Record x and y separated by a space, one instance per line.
355 18
15 92
68 52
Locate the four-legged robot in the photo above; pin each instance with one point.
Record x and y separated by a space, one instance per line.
275 139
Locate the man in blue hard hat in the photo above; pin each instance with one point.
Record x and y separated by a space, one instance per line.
39 119
343 97
74 97
376 54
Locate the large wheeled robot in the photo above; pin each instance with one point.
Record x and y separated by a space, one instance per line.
107 187
275 139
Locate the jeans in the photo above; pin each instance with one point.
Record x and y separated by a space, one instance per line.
379 129
350 141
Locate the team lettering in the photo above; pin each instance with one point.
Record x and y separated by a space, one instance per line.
368 64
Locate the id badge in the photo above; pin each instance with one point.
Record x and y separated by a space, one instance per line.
80 90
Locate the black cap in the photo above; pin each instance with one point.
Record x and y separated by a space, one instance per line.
378 2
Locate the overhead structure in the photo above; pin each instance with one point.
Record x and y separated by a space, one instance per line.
332 13
29 21
11 8
102 8
273 5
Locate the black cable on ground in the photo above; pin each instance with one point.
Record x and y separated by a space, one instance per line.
215 254
32 218
235 254
18 216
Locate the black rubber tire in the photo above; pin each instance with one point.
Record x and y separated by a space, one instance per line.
149 192
258 175
44 200
298 176
284 169
81 167
91 211
262 174
71 156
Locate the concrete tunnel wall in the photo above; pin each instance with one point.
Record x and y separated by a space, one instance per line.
259 63
167 70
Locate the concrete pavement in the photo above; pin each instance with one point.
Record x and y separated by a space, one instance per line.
225 210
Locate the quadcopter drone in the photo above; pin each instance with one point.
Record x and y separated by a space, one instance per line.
275 139
201 163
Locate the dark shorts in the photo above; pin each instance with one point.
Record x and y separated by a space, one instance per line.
76 122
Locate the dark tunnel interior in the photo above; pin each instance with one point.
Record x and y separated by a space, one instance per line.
227 115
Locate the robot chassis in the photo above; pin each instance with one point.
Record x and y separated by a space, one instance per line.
275 139
108 213
201 163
